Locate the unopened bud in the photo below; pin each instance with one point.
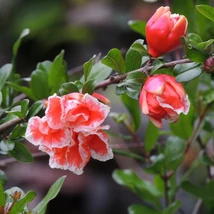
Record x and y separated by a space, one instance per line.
208 65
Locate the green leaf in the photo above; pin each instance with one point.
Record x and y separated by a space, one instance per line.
134 110
207 11
131 85
118 117
34 109
89 87
18 131
134 56
44 66
24 107
139 46
142 209
2 195
87 67
138 26
205 193
129 154
21 153
99 72
16 110
174 152
57 75
39 84
67 88
144 189
157 164
187 71
159 183
114 60
17 44
27 91
5 72
52 193
193 51
151 136
172 208
20 204
184 121
206 44
7 145
156 65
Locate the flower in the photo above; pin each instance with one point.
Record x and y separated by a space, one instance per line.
163 31
163 97
71 132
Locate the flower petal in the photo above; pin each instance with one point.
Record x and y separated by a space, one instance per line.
157 122
143 102
54 112
39 133
84 115
73 158
98 144
155 85
33 134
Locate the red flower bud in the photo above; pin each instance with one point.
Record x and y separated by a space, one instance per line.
163 97
163 31
208 65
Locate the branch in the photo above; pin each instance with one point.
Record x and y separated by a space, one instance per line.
10 123
6 161
195 132
118 78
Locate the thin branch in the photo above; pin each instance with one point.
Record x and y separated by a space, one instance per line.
166 187
10 123
198 207
6 161
195 132
203 148
118 78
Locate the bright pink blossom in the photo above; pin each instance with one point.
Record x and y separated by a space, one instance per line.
71 131
163 31
163 97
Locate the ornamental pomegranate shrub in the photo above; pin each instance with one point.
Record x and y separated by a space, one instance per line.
165 82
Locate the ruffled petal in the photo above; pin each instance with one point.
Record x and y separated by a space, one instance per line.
54 112
39 133
33 134
98 143
86 115
73 158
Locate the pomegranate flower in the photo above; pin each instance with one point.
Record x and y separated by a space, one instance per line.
71 131
163 31
163 97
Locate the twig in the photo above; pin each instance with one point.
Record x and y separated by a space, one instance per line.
6 161
203 147
10 123
198 206
118 78
195 132
166 187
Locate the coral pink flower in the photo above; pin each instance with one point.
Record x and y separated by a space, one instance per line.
163 97
163 31
70 131
81 112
